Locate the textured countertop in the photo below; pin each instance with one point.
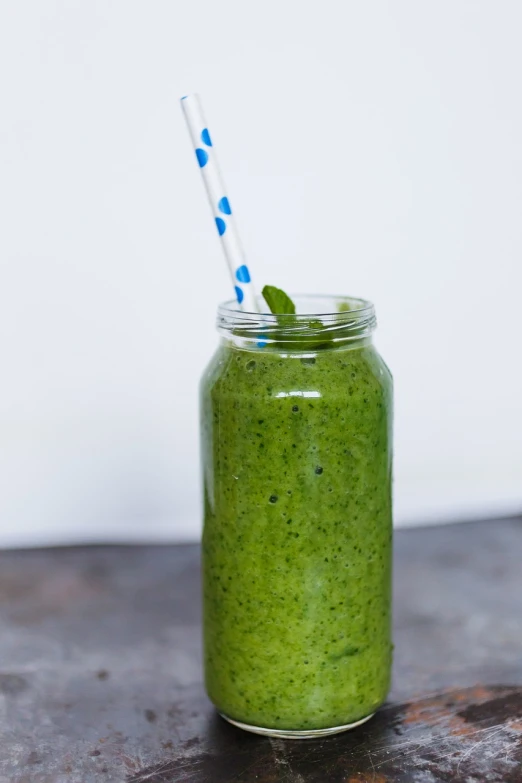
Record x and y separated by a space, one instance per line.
100 671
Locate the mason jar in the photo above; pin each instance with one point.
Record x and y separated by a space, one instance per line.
296 424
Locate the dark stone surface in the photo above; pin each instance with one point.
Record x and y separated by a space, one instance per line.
100 671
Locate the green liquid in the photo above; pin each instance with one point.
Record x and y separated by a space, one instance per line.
297 535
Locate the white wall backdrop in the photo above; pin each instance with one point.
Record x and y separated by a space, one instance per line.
371 148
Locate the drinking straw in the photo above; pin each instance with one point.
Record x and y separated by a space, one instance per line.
219 203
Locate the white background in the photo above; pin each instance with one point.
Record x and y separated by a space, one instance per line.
370 148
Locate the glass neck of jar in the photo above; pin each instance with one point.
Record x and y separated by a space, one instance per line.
320 323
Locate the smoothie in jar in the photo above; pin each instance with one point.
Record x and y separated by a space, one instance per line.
296 454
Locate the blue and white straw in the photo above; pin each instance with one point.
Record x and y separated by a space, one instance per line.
219 203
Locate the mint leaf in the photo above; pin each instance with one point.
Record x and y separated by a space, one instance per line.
278 302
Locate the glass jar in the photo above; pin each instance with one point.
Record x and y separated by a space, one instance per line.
296 423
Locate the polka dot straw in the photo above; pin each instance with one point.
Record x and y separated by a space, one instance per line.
219 203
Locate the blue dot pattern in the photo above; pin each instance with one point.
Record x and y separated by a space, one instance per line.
224 206
221 226
202 157
205 137
239 293
242 274
262 340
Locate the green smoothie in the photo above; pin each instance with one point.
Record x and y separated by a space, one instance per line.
296 452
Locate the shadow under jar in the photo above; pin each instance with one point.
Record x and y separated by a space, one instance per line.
296 423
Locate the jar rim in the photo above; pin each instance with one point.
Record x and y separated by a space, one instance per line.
351 307
337 319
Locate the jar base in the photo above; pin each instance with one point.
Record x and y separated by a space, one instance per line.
296 735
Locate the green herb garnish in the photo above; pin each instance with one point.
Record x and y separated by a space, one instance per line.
278 302
300 334
304 335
